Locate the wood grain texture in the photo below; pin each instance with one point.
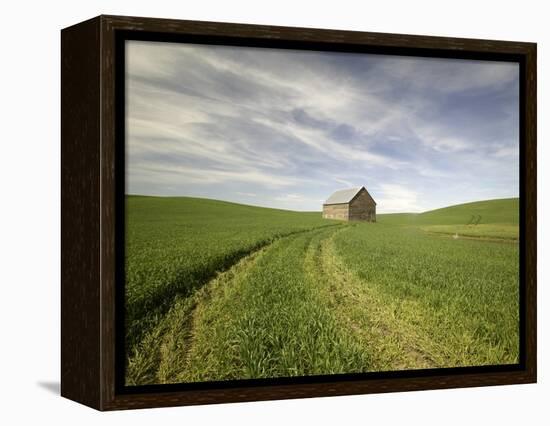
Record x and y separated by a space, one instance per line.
80 214
89 143
108 215
335 388
529 188
330 37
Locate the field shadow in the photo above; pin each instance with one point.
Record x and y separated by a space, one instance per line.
52 387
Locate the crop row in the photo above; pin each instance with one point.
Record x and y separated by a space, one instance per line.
464 294
175 245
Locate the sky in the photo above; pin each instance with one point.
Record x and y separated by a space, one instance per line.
286 128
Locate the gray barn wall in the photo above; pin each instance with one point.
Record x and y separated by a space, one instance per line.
362 208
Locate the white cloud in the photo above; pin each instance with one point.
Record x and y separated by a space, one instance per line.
197 176
449 144
507 151
345 182
218 121
448 76
395 198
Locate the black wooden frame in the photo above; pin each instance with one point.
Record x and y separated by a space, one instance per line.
92 178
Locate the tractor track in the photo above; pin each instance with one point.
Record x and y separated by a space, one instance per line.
389 342
174 333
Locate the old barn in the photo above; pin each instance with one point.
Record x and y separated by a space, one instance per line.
350 204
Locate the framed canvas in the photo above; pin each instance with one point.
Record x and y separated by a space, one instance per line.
256 212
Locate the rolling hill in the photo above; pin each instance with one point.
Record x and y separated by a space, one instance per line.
221 291
501 211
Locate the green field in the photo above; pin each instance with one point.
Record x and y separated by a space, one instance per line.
219 291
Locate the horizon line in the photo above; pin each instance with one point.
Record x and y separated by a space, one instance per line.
312 211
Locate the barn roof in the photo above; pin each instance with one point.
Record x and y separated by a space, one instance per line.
343 196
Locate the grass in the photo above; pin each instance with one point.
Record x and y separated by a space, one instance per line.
272 322
219 291
502 211
461 295
488 231
175 245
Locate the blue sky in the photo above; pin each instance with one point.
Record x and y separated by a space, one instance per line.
285 129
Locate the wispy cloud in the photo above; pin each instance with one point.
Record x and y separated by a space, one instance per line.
285 128
395 198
